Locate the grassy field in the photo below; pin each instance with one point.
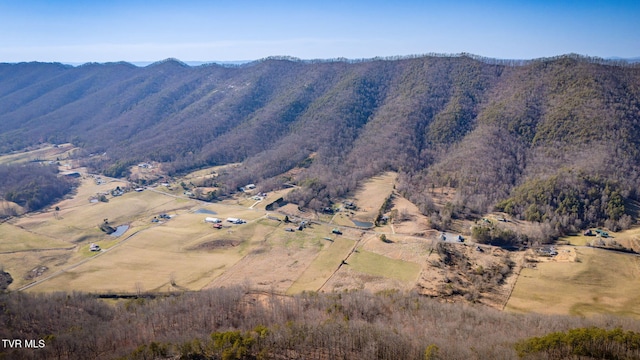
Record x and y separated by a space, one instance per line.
151 260
16 239
324 265
373 264
369 198
276 258
600 282
80 223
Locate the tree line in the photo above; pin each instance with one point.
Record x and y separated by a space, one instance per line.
235 323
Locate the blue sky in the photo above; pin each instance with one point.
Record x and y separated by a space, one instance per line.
139 30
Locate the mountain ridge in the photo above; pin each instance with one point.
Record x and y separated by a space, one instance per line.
483 125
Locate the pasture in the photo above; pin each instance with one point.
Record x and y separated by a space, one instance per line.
374 264
323 266
156 259
17 239
598 282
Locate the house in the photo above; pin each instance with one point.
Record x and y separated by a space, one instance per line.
336 231
217 226
212 220
94 247
547 251
235 221
117 191
250 186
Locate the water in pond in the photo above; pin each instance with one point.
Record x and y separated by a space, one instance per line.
363 224
205 211
120 230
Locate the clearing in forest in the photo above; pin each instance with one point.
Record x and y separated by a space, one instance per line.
369 199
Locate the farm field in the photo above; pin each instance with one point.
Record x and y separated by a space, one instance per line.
377 265
598 282
275 262
323 267
16 239
628 239
156 259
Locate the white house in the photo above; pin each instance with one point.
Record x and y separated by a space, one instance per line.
212 220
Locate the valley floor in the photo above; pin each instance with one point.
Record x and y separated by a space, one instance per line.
169 247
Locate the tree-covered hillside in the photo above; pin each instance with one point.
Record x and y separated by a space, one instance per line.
492 129
234 323
32 186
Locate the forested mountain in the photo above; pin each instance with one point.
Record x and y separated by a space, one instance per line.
496 130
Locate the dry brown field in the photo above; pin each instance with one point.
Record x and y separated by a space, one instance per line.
595 281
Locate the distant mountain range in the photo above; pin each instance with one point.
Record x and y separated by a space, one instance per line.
488 127
190 63
631 60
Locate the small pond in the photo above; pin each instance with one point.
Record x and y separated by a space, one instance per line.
120 230
363 224
205 211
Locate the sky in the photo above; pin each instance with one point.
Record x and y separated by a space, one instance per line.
76 31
